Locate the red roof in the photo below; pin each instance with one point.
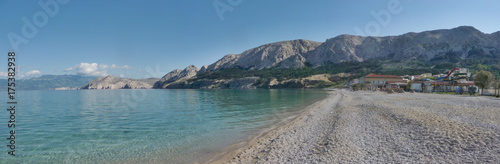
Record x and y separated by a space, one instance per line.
382 76
466 84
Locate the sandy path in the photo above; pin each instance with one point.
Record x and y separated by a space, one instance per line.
374 127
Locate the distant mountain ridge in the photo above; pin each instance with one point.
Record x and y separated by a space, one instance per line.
296 63
344 48
112 82
50 82
461 46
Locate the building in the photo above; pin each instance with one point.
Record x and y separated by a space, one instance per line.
409 77
397 84
441 86
416 87
463 74
426 75
380 80
456 79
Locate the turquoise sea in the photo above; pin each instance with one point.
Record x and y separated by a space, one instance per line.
159 126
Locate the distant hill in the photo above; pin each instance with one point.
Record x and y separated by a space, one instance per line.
50 82
112 82
435 51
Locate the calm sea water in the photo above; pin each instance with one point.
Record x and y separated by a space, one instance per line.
174 126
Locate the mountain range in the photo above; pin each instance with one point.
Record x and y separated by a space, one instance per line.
50 82
73 82
465 42
436 51
309 64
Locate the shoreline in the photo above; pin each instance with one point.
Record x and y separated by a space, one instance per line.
376 127
232 150
204 155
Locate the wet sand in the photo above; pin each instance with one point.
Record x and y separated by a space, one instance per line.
375 127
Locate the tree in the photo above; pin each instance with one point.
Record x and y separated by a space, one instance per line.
355 87
481 67
483 79
408 85
362 86
496 85
472 90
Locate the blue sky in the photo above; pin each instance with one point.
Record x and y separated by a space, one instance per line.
147 38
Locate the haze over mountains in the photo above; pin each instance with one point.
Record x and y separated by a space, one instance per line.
50 82
72 82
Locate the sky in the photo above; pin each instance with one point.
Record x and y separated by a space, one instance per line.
141 39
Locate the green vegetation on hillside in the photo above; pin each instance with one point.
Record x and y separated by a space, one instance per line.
477 59
357 69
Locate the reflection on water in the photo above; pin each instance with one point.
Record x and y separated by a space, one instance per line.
152 125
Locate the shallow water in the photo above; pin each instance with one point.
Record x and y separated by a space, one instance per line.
88 126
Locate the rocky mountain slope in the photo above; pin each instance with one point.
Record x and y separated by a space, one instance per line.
463 46
289 54
112 82
177 75
462 41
